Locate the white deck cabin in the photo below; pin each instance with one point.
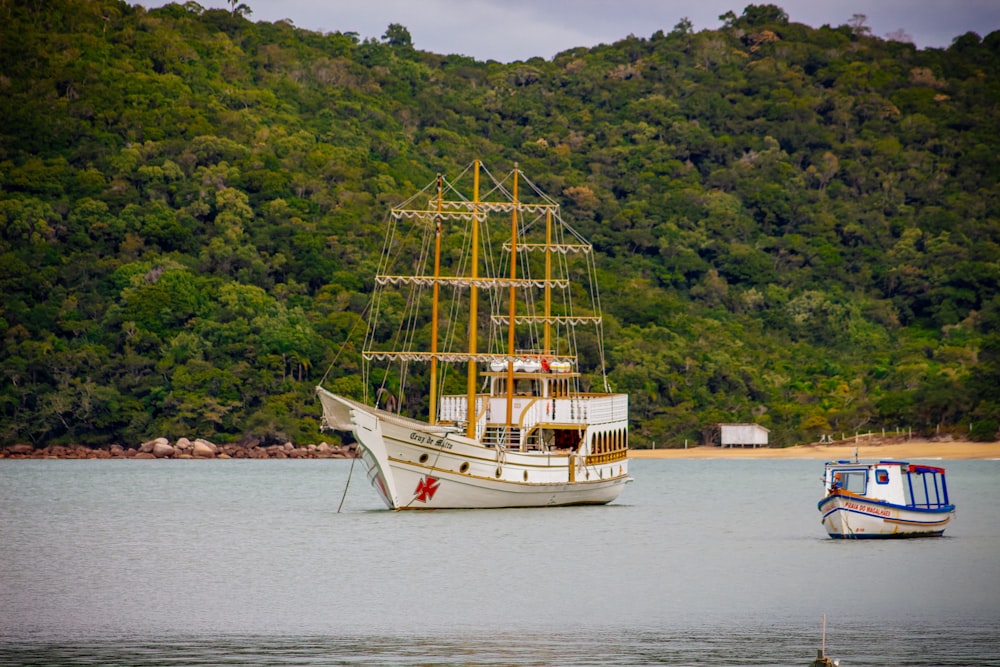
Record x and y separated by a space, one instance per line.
894 482
548 413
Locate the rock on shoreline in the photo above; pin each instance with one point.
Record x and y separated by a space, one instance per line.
182 448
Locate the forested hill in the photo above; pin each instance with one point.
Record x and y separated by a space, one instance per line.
798 226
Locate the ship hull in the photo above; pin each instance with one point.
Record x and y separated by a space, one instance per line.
413 465
848 516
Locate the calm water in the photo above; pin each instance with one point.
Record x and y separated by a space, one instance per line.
697 563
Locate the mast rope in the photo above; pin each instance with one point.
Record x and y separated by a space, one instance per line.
343 345
441 201
347 484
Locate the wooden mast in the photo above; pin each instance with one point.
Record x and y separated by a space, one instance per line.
470 429
547 329
432 418
513 314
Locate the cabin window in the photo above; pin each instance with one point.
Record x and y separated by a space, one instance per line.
881 476
855 481
523 387
925 488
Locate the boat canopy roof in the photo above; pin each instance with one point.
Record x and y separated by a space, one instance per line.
911 467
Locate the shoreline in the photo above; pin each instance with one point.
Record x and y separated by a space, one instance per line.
897 449
911 449
182 448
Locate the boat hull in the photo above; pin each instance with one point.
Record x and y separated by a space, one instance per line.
849 516
413 465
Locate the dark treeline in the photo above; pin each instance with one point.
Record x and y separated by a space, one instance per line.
798 226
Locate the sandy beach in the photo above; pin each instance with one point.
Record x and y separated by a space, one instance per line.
899 451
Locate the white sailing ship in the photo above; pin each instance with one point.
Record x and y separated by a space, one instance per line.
528 429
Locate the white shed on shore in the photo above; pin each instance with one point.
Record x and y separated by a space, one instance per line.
742 435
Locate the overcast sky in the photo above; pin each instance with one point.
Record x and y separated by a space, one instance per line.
509 30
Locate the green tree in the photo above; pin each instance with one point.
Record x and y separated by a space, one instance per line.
397 35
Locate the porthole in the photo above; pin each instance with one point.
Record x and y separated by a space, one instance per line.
423 458
464 467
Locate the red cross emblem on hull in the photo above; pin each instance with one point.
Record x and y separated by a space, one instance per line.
426 488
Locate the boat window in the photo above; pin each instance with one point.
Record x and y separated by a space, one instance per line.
855 481
881 476
524 387
925 489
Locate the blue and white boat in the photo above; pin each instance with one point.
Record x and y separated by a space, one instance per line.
884 499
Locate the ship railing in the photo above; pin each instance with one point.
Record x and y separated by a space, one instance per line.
454 408
607 457
502 436
584 409
577 409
